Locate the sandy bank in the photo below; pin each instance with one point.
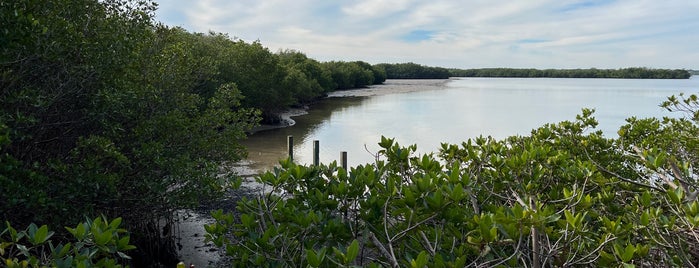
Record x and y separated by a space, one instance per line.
392 86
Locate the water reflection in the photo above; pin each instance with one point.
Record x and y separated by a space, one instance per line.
265 148
427 113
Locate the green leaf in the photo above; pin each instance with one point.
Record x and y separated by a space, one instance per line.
645 218
123 243
421 260
41 235
409 197
457 193
315 259
14 235
61 250
571 219
102 238
625 254
115 223
628 265
211 228
606 256
352 251
567 193
645 199
339 254
312 258
493 234
676 195
79 232
628 253
31 231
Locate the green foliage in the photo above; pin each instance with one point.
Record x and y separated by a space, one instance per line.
378 74
631 73
105 112
413 71
258 75
305 77
354 74
562 196
94 243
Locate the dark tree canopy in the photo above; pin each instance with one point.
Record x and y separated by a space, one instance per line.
413 71
356 74
629 73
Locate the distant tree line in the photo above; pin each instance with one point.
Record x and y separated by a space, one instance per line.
630 73
356 74
416 71
413 71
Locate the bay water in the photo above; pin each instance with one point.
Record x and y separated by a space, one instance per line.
429 112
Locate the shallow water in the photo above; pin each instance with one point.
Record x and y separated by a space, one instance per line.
429 112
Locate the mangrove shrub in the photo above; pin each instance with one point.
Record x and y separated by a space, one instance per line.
562 196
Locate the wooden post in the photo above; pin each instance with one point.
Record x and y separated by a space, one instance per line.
316 152
290 147
343 159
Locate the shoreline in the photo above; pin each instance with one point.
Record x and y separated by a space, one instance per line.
391 86
285 120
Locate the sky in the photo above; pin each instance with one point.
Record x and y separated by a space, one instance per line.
459 34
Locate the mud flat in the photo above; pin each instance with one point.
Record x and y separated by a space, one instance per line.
392 86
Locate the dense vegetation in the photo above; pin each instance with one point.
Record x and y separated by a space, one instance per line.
416 71
630 73
562 196
92 243
106 112
413 71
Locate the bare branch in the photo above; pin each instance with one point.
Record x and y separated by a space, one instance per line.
391 258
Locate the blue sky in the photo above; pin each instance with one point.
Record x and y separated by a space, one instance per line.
460 34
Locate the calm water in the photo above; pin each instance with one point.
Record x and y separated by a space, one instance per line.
461 109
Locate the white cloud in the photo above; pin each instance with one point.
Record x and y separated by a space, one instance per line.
374 8
479 33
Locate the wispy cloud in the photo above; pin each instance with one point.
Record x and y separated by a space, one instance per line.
478 33
577 5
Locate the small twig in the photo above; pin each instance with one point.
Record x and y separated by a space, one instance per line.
606 240
410 228
426 243
669 182
625 179
377 243
516 251
375 155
